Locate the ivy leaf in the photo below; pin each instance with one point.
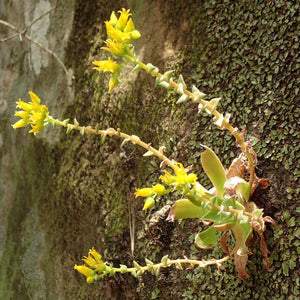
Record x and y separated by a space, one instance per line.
208 238
214 169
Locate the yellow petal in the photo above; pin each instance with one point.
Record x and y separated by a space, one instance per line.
34 98
113 19
129 26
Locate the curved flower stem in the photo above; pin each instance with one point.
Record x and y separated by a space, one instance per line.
165 262
237 135
112 132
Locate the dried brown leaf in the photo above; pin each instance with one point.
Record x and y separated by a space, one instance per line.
237 168
240 263
223 242
265 252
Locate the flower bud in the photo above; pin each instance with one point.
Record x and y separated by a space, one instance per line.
113 82
149 203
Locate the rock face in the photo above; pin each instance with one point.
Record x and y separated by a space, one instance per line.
26 266
63 194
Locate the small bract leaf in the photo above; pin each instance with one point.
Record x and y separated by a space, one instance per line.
69 129
125 141
76 122
66 122
164 261
148 153
208 238
214 169
182 99
168 74
181 81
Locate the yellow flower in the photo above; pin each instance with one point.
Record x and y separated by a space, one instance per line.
87 272
34 98
113 82
116 34
25 106
20 123
134 34
122 21
180 178
149 203
146 192
106 66
167 179
94 260
129 26
158 189
96 255
115 47
121 30
22 114
90 279
32 113
36 128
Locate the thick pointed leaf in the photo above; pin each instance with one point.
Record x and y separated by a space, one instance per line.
214 169
243 190
184 209
218 217
207 238
225 226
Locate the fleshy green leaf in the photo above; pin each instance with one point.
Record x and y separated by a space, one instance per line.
243 190
214 169
208 238
184 209
218 217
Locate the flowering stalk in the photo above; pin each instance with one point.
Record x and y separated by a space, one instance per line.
210 107
119 44
98 269
112 132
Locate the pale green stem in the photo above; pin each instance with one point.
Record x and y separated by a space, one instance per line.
177 262
112 132
214 112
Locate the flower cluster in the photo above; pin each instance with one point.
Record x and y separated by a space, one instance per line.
150 193
32 113
181 177
95 263
121 32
